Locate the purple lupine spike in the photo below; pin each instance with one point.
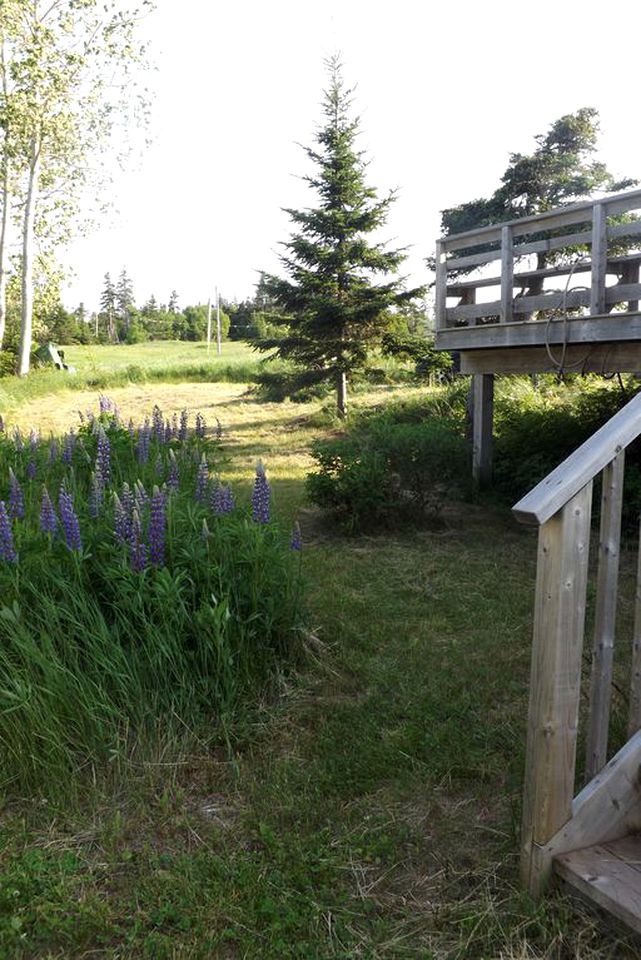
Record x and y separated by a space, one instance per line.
200 425
7 548
17 440
202 480
116 415
173 478
184 423
127 500
157 523
138 546
103 457
297 537
68 447
96 495
222 500
69 520
144 439
121 521
31 469
140 496
48 519
106 405
2 426
174 426
16 497
131 428
53 451
158 424
168 433
34 439
158 468
261 496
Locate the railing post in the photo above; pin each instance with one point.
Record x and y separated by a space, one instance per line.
605 616
599 258
559 619
482 427
634 717
440 292
507 274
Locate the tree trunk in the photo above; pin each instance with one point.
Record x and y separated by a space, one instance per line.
27 259
4 223
341 394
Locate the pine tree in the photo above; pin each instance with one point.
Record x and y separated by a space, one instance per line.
108 308
331 307
172 307
124 299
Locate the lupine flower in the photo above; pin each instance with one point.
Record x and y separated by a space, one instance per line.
202 480
33 440
174 426
140 496
168 433
200 425
138 546
121 521
53 451
184 421
157 522
96 495
260 496
16 497
106 405
2 427
142 446
7 548
103 457
158 424
127 500
69 520
159 466
48 519
222 500
69 445
17 439
31 469
297 537
173 479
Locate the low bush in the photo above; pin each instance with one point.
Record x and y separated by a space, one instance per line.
384 471
136 600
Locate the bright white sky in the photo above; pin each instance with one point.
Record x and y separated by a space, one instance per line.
444 92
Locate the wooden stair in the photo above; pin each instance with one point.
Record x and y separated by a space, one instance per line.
608 875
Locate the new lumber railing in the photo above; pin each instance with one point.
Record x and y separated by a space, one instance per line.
589 224
556 821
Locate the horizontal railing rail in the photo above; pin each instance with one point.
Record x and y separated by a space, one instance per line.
511 241
561 505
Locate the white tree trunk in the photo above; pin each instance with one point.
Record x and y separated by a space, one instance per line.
27 259
4 225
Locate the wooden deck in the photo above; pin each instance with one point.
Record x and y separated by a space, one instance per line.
607 875
521 312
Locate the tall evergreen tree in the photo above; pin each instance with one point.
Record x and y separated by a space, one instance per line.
124 298
108 308
331 306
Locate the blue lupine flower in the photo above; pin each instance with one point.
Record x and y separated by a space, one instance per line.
297 537
121 521
174 426
138 546
200 425
106 405
159 466
7 548
103 457
184 421
96 495
53 451
157 523
17 440
140 496
48 519
222 500
127 500
168 432
202 480
31 469
69 445
158 424
16 497
144 439
69 520
261 496
34 439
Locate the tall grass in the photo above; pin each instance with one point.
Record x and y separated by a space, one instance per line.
99 650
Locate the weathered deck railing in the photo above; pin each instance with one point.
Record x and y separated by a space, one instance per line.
554 820
508 242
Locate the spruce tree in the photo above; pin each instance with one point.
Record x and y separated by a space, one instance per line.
108 308
330 304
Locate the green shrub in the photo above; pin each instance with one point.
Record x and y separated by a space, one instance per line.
387 470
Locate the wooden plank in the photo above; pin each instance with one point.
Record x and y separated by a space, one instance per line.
600 876
553 300
482 428
598 257
602 358
621 266
634 715
507 274
612 328
559 617
440 292
582 466
605 616
628 848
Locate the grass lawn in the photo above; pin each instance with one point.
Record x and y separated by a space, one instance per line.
369 806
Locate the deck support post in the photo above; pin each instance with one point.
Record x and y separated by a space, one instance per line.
559 620
482 423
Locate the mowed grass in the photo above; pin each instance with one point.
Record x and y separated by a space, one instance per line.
369 807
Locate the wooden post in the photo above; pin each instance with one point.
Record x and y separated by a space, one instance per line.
634 719
559 619
507 274
440 292
482 423
605 617
630 274
599 259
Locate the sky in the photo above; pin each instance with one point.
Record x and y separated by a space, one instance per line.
444 94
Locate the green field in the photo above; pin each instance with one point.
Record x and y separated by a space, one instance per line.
369 805
154 355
